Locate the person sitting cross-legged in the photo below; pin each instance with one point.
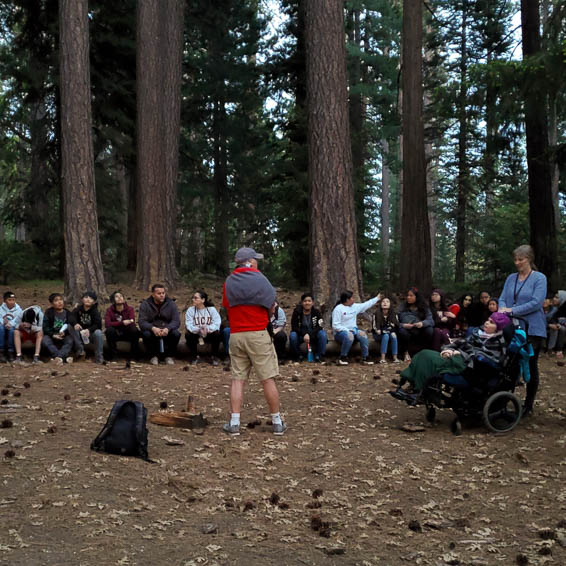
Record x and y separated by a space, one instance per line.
306 326
120 322
344 325
159 323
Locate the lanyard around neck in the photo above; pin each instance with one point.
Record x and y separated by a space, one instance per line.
515 292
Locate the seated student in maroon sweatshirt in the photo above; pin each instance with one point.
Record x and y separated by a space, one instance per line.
120 322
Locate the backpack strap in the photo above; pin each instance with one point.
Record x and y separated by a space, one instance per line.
96 444
141 430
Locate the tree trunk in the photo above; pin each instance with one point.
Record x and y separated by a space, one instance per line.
221 195
552 118
541 204
83 263
415 229
463 166
159 60
334 252
358 142
385 209
132 235
37 192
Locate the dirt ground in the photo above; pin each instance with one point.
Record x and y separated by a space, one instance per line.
344 486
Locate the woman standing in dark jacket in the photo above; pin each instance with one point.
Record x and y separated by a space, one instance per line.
306 326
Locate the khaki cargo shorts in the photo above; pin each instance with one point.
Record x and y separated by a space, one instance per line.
253 350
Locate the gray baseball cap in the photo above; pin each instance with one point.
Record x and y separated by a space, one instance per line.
244 254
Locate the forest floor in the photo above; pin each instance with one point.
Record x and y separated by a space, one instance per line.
346 485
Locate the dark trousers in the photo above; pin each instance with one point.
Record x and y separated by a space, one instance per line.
58 348
414 340
280 341
152 343
212 338
126 334
532 386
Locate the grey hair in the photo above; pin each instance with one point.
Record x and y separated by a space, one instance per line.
526 251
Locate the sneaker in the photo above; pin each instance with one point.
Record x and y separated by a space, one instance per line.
2 358
367 362
19 360
169 361
57 360
279 429
98 360
342 361
36 360
301 359
196 361
382 361
81 356
396 361
70 360
232 430
154 361
215 362
11 357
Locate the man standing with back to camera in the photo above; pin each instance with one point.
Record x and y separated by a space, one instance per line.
248 297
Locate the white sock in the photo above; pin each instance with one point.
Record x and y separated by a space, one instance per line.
276 418
234 419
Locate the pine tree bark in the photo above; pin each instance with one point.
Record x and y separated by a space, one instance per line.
335 264
158 63
462 155
415 229
83 263
541 204
358 137
221 195
385 209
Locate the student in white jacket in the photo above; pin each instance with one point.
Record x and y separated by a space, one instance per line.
202 322
10 311
344 325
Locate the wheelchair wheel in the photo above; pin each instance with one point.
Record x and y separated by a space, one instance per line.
502 412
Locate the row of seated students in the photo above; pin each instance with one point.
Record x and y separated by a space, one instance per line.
403 330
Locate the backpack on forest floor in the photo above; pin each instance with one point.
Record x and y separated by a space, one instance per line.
125 431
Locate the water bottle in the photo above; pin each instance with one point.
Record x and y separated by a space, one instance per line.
161 346
310 357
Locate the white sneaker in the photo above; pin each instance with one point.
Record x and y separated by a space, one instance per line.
169 361
154 361
70 360
342 361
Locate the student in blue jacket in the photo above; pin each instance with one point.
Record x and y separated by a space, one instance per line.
523 295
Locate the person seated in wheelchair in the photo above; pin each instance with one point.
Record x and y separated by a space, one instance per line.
464 362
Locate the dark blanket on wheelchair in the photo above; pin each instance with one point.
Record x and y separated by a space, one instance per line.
428 363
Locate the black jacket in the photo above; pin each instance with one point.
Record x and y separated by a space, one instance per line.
88 319
49 321
297 321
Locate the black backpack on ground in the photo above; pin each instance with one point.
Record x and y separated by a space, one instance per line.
125 431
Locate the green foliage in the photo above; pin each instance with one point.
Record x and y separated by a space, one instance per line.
19 260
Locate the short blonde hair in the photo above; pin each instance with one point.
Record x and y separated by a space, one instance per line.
525 251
